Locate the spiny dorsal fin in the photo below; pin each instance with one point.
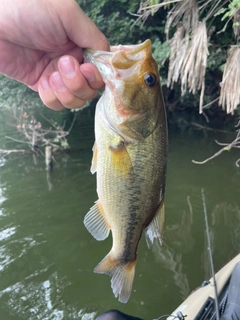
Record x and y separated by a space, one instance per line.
96 223
122 276
155 228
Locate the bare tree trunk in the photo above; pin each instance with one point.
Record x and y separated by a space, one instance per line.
48 158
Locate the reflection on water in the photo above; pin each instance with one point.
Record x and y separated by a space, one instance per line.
44 297
225 217
47 257
2 199
179 241
172 261
6 233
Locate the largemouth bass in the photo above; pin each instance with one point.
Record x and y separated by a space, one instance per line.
129 156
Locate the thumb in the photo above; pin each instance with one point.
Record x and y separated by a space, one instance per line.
81 29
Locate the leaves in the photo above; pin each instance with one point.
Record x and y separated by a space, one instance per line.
229 12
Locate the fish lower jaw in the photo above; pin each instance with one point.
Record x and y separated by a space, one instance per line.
125 113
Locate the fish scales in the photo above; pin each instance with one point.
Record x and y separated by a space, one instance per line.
130 157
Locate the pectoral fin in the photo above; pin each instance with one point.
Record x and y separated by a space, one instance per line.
155 228
94 159
121 159
96 223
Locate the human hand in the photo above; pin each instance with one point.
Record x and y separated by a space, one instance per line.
41 45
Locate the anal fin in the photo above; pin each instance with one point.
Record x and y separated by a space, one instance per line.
96 223
155 228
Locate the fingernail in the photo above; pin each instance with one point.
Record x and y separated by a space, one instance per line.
67 66
44 81
57 82
88 74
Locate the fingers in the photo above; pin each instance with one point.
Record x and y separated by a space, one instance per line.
71 85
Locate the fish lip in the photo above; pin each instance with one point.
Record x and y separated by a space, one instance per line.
96 56
131 49
113 49
102 61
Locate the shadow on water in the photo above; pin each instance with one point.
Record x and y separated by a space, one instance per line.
47 257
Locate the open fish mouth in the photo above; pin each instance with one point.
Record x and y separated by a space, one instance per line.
98 58
120 62
134 51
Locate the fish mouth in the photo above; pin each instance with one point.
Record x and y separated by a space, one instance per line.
103 62
97 58
120 62
133 51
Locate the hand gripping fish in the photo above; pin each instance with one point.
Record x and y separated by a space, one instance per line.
129 156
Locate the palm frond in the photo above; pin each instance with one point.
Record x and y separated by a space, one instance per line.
150 7
215 7
230 85
195 62
178 49
185 11
236 24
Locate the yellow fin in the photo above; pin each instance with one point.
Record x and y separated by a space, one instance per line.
121 159
122 276
96 223
94 159
155 228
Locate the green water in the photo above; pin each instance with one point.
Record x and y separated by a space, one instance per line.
47 256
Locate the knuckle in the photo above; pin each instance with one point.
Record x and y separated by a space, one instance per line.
73 103
104 42
86 93
91 95
76 86
54 104
68 101
50 100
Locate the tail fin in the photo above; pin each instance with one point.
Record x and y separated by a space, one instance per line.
122 276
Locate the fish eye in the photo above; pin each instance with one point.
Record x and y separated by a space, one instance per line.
150 79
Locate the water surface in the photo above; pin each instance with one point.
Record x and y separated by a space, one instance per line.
47 256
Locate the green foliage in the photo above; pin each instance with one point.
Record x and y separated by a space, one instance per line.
112 18
15 94
161 52
115 20
229 11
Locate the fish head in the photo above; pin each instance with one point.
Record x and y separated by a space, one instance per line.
131 76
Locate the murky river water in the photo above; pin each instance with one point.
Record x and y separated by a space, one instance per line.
47 256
